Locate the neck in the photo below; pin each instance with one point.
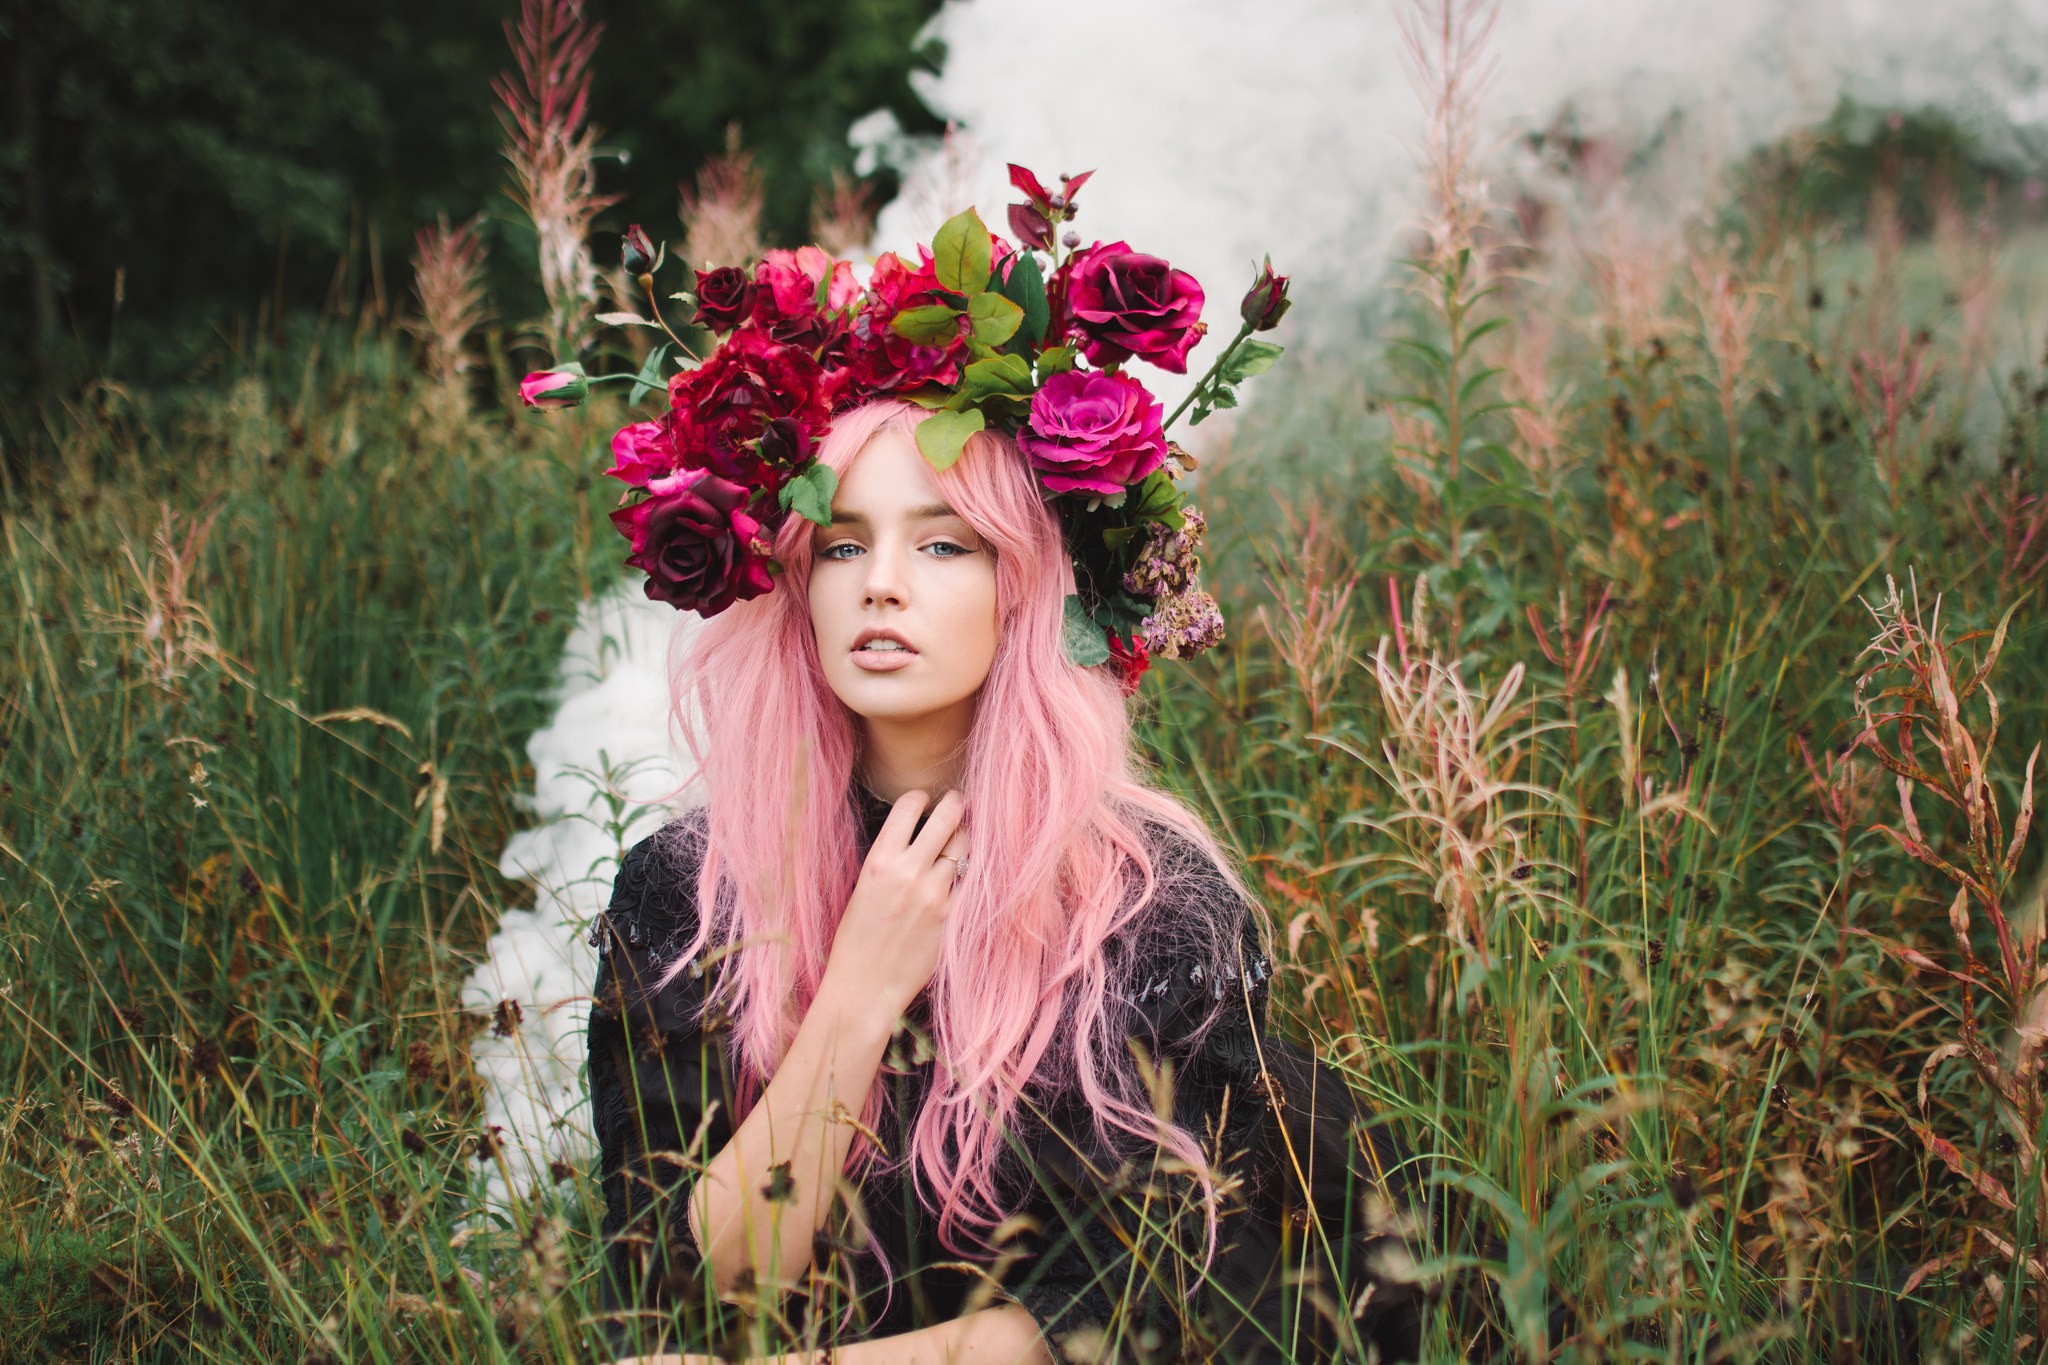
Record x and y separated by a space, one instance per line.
927 754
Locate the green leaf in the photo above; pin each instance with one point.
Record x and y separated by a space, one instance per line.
994 319
931 325
1086 643
1003 376
1026 289
1056 360
942 436
1251 357
825 289
961 254
649 378
809 494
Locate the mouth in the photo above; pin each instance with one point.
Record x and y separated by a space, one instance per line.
880 650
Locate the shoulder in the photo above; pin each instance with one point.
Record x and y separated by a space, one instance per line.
652 912
1197 951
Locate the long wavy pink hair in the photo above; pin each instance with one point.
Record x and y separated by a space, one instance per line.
1022 995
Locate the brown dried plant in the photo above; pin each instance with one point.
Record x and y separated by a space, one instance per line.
1312 625
174 632
1445 45
447 274
1912 703
843 215
553 154
1457 818
1728 312
1890 387
722 213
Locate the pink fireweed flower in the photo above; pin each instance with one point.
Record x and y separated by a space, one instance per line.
551 389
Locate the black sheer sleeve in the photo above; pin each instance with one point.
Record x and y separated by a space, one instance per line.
659 1094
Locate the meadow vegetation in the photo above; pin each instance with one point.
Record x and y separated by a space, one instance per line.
1631 720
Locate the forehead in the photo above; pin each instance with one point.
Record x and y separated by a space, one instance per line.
889 479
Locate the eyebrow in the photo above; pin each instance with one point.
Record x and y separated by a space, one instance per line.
928 512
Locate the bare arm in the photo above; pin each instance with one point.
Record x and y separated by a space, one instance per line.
736 1222
1004 1335
747 1218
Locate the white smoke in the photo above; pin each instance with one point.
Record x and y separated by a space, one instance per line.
598 765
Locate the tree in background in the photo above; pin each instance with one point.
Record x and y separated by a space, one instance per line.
244 162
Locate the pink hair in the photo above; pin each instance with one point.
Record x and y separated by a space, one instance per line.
1023 995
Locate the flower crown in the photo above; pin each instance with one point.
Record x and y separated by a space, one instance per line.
1031 339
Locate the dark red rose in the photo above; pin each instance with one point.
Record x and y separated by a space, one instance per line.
724 296
637 252
695 541
725 404
1125 304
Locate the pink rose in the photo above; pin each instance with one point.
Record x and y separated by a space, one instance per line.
785 298
695 541
640 452
1128 304
1093 433
550 389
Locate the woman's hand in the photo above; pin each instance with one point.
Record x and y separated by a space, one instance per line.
889 938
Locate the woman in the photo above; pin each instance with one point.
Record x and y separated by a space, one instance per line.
935 1032
970 800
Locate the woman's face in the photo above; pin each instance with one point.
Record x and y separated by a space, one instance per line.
896 559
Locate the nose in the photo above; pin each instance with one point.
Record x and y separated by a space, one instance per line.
885 580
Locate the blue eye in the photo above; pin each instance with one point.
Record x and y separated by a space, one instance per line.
832 551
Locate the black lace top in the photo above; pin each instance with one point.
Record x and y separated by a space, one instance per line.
1093 1239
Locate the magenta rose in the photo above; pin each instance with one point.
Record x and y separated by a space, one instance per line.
1093 433
698 546
640 453
724 297
1125 304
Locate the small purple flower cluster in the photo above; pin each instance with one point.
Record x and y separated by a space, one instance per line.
1184 620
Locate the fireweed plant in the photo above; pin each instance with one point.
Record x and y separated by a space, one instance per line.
1033 339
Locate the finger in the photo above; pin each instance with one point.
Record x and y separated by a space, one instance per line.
941 824
903 817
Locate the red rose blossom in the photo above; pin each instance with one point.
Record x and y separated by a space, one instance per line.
721 408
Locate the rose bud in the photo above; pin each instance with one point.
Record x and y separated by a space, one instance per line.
638 253
550 389
1266 302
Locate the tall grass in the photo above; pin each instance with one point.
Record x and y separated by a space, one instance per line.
277 650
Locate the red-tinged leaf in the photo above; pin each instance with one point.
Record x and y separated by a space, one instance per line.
1919 1277
1912 957
1029 227
1074 185
2024 821
1027 183
1984 1182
